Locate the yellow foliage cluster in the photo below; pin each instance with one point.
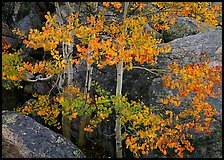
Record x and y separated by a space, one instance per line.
51 35
166 13
75 103
149 131
11 64
43 67
134 44
193 78
72 101
116 5
44 108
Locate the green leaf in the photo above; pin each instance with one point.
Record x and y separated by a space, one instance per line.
131 128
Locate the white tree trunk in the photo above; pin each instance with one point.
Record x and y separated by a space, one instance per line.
83 120
67 123
118 124
67 55
118 94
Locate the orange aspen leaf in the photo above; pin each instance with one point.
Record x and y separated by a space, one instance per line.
164 101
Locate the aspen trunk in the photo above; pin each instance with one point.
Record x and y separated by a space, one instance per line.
70 67
118 124
67 56
66 123
66 130
82 136
118 94
83 120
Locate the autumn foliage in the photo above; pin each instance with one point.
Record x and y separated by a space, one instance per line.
107 42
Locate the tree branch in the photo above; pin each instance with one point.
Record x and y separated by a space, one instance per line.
40 79
54 85
143 68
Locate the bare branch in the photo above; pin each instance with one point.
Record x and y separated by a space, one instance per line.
40 79
143 68
54 85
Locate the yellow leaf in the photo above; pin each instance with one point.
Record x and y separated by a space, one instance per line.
78 35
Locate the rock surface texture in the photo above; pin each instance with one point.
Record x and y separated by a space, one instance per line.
23 137
182 28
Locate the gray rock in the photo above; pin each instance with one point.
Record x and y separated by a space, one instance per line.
182 28
188 49
23 137
37 87
29 21
9 36
12 12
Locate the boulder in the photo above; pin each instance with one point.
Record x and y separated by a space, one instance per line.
37 87
12 12
8 36
23 137
22 15
182 28
28 22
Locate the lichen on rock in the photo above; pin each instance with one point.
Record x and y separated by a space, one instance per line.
23 137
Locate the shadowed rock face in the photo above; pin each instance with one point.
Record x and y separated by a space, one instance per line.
23 137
